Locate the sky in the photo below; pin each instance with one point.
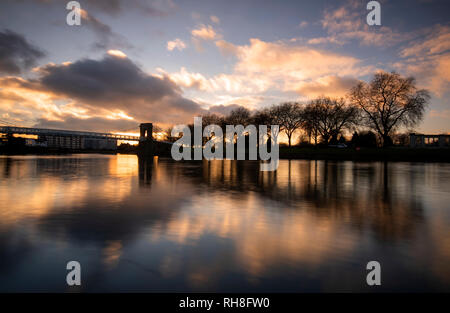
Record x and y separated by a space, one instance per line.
166 61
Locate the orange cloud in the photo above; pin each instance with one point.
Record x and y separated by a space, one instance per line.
229 83
116 53
227 48
438 41
94 93
204 32
333 86
262 66
176 44
295 62
428 59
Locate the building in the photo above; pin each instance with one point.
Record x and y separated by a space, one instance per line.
78 142
429 141
68 139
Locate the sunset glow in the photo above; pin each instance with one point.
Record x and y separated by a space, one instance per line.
194 58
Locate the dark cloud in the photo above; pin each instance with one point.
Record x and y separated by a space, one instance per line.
148 7
108 6
116 83
16 53
102 31
105 80
105 36
95 124
224 109
157 8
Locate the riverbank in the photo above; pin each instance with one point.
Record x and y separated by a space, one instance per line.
4 150
307 153
367 154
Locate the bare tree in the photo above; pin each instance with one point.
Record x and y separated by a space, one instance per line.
289 116
168 135
388 102
262 117
310 123
328 117
211 118
157 132
239 116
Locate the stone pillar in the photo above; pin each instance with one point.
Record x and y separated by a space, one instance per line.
146 148
412 140
146 130
441 141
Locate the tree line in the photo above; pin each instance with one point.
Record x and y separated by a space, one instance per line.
383 105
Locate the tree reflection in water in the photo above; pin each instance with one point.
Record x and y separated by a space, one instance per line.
153 225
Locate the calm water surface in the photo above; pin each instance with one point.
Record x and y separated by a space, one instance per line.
222 225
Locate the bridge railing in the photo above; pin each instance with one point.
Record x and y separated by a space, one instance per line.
60 132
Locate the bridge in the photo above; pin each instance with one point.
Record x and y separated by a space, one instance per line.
83 140
64 133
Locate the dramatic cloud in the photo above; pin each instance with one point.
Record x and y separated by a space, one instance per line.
105 36
116 83
108 94
176 44
333 86
226 102
21 101
428 59
285 66
156 8
96 124
345 23
98 27
16 53
431 72
224 109
222 82
326 57
300 62
437 42
263 67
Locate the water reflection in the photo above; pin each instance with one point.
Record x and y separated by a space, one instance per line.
159 225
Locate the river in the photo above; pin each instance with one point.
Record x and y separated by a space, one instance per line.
222 226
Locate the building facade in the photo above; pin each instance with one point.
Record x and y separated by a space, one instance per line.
429 141
78 143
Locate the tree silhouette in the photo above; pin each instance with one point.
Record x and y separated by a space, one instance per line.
327 117
388 102
289 116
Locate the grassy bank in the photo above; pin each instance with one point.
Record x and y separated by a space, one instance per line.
366 154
